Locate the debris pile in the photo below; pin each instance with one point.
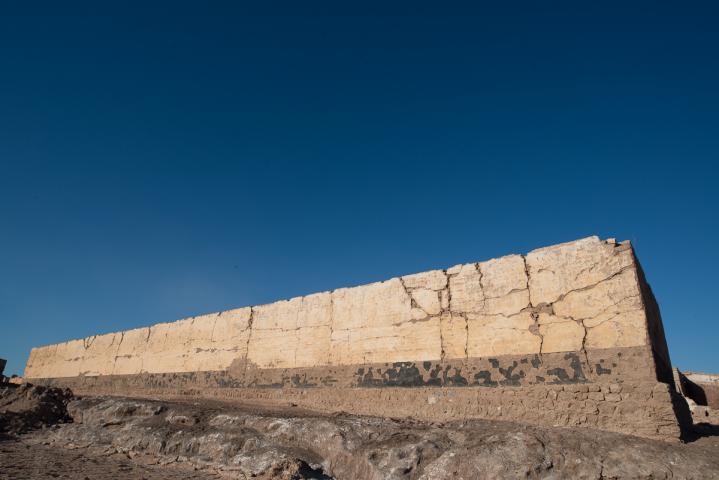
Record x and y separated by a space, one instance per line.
29 407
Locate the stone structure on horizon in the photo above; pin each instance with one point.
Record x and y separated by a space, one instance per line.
565 335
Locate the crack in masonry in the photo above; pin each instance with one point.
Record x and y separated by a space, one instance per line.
466 335
444 311
511 328
589 287
586 269
297 329
249 336
514 290
382 336
615 304
526 273
586 329
88 341
463 315
149 331
447 311
441 341
534 328
481 287
451 315
424 319
428 316
535 314
511 315
332 327
584 349
212 335
117 352
608 319
412 302
294 357
568 317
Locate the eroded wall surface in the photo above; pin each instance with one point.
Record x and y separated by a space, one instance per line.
574 313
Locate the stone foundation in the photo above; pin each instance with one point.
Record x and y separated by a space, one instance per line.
566 335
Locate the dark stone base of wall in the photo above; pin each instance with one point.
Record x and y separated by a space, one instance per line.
613 389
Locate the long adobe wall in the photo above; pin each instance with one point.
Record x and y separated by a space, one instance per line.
568 335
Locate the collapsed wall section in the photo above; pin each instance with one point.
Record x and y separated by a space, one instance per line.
567 316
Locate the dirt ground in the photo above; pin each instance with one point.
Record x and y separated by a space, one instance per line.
20 460
170 439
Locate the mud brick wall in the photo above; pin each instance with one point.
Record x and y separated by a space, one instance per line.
457 342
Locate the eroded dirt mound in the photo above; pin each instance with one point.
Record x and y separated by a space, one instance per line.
27 407
249 442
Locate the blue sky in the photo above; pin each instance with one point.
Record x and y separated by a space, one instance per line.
162 161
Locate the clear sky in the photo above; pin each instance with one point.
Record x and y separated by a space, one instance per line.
159 161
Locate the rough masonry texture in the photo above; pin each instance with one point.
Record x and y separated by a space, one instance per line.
565 335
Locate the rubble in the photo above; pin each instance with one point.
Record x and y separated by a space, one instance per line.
28 407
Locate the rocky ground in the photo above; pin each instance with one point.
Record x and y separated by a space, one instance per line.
47 433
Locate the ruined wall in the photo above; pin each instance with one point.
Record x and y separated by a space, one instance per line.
570 314
702 388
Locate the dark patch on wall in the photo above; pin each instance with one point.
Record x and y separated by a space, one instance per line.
328 381
484 378
300 381
256 384
228 382
511 378
575 364
454 380
510 371
601 370
536 362
367 379
404 374
561 375
434 376
401 374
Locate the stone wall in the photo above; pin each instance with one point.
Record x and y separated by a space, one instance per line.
577 316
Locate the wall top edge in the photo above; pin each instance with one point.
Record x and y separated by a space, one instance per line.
593 239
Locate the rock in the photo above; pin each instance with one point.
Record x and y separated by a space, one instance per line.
250 442
28 407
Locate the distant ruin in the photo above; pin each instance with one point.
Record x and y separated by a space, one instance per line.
566 335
